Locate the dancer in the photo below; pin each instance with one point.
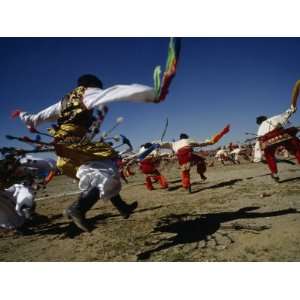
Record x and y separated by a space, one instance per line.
237 153
18 183
149 167
223 155
94 164
272 134
184 150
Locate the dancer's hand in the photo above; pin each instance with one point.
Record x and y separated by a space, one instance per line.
293 108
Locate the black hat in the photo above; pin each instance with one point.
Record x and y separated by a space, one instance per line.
89 80
183 136
261 119
147 145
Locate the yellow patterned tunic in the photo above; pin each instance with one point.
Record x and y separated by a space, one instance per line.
73 125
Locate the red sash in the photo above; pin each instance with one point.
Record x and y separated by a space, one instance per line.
277 136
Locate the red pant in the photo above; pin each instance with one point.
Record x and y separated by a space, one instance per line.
185 179
147 166
292 146
158 177
186 159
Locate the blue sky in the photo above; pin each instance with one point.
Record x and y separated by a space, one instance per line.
219 81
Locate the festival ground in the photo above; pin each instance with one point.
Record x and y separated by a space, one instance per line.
238 214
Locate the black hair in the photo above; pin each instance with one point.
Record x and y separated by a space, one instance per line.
260 119
183 136
147 145
89 80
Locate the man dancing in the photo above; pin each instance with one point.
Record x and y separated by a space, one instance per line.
92 163
184 150
149 167
272 134
223 155
17 183
237 153
187 158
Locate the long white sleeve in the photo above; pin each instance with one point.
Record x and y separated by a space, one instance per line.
95 97
185 143
49 114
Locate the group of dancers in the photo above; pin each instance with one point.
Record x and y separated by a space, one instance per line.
98 166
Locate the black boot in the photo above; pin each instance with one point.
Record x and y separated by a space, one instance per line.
203 177
124 209
76 212
275 177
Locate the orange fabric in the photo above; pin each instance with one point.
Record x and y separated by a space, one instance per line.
163 182
49 177
185 179
148 183
161 179
219 135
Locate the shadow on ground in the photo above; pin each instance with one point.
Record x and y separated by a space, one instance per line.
195 228
289 179
228 183
218 185
42 225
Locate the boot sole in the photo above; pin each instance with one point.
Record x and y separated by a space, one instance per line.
80 225
126 216
75 220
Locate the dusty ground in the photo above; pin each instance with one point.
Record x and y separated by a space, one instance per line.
239 214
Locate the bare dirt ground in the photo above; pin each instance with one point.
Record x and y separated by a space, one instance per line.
238 214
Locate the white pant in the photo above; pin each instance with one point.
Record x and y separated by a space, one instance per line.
103 174
23 196
9 219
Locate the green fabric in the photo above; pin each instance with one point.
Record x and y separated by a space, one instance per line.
171 54
162 81
157 81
